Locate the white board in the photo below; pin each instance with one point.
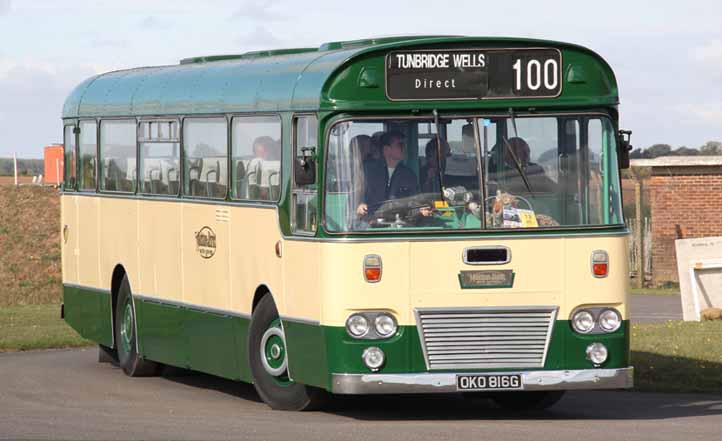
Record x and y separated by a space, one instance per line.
699 265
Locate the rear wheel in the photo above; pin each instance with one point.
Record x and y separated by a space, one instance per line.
125 336
268 358
536 400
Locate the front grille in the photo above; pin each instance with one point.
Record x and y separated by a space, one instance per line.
485 338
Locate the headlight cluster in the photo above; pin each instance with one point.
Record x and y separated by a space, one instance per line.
596 320
371 325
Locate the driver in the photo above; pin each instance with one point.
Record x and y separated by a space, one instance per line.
388 178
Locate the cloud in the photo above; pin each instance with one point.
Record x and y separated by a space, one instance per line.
259 39
33 93
701 112
153 23
5 6
708 54
257 11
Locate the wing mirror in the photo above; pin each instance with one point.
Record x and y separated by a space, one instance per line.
624 148
305 167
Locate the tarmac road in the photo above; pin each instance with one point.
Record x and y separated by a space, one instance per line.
66 394
656 308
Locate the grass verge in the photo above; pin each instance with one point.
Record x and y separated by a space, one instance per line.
656 291
678 356
36 327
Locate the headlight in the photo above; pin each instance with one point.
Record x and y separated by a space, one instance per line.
357 325
385 325
609 320
373 358
583 321
597 353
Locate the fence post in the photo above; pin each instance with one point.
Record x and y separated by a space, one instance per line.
15 167
638 237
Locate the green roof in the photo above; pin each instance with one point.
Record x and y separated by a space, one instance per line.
259 81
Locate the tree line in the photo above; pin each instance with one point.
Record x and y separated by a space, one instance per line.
710 148
31 167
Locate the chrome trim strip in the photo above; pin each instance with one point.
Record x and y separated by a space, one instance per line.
465 255
191 306
301 320
86 288
583 379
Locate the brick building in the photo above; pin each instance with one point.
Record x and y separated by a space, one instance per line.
685 198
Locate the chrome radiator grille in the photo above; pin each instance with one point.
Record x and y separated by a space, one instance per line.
485 338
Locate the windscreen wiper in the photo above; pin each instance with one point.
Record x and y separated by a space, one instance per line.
517 164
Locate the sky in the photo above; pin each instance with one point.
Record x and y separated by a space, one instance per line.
667 55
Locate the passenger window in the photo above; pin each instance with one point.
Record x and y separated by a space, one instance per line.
118 155
88 155
205 146
256 158
69 163
159 157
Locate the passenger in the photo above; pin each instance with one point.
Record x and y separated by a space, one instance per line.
430 171
388 178
262 147
516 156
375 149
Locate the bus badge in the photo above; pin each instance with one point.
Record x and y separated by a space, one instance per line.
206 242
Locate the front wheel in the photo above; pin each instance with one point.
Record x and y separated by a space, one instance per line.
125 336
527 400
268 358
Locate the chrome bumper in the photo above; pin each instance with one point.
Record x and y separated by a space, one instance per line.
446 382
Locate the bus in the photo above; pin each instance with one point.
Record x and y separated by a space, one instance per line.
400 215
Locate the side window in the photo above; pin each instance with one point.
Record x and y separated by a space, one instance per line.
71 166
304 219
205 149
159 157
256 158
117 155
88 152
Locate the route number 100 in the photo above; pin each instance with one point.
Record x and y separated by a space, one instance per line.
537 75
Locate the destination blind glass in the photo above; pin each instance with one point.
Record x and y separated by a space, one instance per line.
473 74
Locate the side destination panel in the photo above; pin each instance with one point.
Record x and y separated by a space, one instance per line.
88 311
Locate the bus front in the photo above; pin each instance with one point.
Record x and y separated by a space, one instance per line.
472 222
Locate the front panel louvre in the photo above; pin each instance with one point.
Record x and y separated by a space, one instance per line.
486 337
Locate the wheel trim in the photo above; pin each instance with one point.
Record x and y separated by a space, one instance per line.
127 327
273 353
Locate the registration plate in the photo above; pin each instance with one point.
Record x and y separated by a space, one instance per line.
489 382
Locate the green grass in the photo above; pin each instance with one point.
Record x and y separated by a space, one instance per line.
29 327
678 356
656 291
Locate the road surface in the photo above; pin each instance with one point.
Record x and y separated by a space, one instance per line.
66 394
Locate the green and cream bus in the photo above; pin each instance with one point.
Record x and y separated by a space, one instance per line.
384 216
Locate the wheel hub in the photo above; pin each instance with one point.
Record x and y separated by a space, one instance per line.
273 351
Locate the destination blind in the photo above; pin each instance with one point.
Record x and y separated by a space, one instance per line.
473 74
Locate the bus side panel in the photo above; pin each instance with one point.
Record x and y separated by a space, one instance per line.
253 262
205 268
304 335
87 305
160 327
118 240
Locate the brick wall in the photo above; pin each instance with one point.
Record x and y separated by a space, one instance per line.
690 198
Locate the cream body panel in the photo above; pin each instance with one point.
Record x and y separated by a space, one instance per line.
88 232
254 232
303 271
159 250
548 271
118 239
205 280
69 237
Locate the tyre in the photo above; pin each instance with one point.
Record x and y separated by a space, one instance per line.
527 400
125 336
268 359
107 355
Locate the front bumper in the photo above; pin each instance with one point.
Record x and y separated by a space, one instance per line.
356 384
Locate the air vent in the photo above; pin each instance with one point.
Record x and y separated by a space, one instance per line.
487 255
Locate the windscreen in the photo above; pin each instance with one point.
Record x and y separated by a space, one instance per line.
504 172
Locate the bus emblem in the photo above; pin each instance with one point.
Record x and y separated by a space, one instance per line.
206 242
